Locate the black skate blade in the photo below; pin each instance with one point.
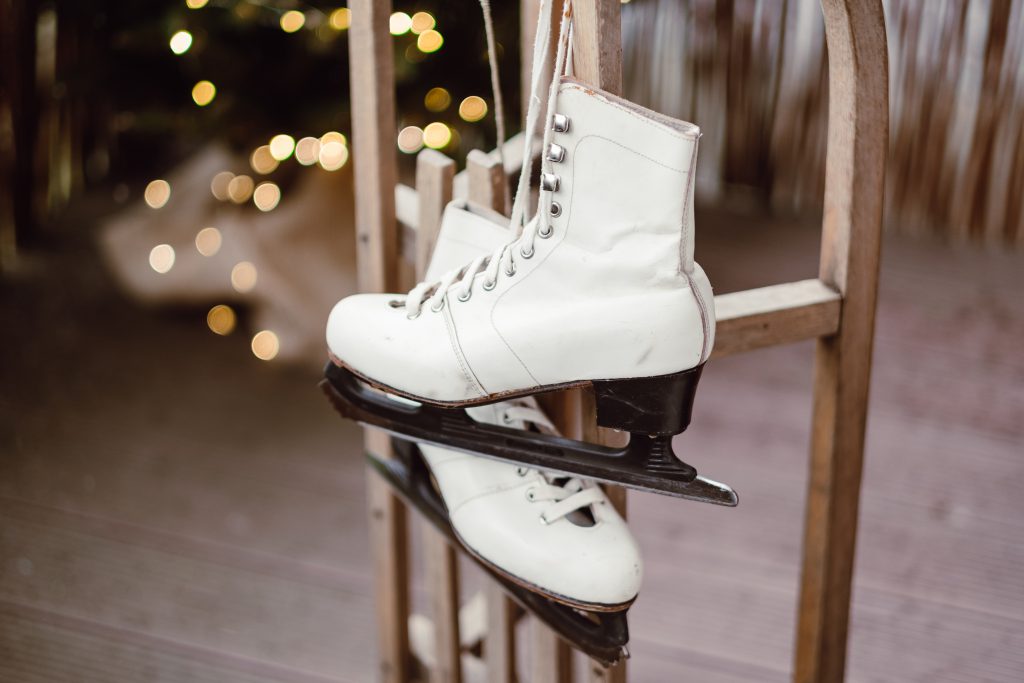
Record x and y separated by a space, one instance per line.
645 464
600 635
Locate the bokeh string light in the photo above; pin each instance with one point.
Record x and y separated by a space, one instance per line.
203 93
221 320
180 42
340 19
292 21
157 193
472 109
265 345
243 277
240 189
266 196
208 241
437 99
400 23
161 258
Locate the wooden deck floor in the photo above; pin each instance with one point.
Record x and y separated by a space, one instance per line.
171 509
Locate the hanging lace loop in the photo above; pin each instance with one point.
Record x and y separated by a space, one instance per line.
503 260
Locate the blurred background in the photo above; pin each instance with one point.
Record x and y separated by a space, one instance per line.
178 502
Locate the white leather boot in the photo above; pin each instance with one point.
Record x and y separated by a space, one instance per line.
558 536
601 285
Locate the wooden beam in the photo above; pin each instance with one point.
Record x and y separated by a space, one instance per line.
435 175
597 60
778 314
851 237
373 142
486 180
373 123
487 184
500 642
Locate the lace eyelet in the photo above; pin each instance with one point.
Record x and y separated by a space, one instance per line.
527 254
560 123
507 419
413 317
555 210
522 471
438 308
531 495
469 293
556 153
544 519
488 286
511 270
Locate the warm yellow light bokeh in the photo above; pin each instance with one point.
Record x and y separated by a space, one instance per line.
437 99
221 319
473 109
219 185
243 277
161 258
400 23
240 189
208 241
333 155
437 135
282 146
340 19
180 42
262 161
430 41
307 150
333 136
203 93
196 4
410 139
265 345
266 196
157 193
422 21
292 21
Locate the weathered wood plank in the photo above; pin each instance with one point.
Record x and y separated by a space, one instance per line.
435 174
486 180
373 121
777 314
500 642
597 59
851 240
487 184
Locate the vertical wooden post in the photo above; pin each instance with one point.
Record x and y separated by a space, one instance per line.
435 175
373 123
597 59
487 184
851 236
373 139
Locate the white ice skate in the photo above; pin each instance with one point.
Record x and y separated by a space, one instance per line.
599 290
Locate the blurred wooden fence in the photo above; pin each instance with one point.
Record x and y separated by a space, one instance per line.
753 74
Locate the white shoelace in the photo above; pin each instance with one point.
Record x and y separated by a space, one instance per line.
568 494
503 260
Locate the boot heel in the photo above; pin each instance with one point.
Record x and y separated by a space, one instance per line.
648 405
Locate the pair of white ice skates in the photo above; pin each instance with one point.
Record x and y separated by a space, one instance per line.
599 289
